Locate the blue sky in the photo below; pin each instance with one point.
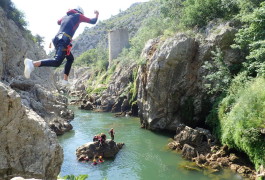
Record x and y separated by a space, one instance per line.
42 15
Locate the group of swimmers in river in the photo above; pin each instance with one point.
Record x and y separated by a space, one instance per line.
95 160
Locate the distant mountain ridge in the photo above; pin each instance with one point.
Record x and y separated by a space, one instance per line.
131 19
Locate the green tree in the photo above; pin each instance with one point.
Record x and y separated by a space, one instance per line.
250 40
96 58
39 39
200 12
171 8
219 77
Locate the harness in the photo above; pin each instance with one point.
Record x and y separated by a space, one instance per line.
69 47
67 35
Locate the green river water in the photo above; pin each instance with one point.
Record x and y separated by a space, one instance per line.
144 156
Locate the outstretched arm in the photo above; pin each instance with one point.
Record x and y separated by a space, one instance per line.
88 20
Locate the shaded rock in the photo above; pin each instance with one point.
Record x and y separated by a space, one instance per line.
125 106
87 106
134 109
201 159
189 136
117 106
189 152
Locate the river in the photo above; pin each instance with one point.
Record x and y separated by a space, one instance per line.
145 155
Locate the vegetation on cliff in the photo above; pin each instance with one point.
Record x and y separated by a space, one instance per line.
238 118
13 13
18 17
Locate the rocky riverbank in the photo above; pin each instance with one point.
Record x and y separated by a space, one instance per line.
199 146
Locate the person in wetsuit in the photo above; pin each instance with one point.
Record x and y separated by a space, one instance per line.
62 43
111 132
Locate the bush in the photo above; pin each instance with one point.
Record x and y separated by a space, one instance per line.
152 28
219 77
250 40
171 8
200 12
241 116
96 58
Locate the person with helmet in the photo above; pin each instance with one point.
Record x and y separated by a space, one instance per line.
94 162
100 160
62 43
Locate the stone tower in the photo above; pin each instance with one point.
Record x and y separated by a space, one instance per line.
118 39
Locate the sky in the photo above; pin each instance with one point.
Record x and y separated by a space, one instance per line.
42 15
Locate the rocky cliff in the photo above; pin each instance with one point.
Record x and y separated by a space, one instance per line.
171 83
28 147
29 109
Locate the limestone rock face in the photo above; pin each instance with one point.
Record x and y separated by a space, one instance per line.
164 81
117 93
14 48
28 147
171 89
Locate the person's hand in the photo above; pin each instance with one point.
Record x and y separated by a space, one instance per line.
96 12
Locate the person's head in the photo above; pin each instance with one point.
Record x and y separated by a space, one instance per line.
100 157
79 9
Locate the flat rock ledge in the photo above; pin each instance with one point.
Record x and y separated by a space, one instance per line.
199 146
92 149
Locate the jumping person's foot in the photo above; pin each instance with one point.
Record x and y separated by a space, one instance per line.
65 83
29 67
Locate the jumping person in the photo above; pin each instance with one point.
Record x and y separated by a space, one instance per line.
62 43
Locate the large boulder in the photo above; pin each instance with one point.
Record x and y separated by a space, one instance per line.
28 147
171 83
92 149
194 140
167 83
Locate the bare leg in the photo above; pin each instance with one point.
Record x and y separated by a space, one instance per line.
65 77
36 63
